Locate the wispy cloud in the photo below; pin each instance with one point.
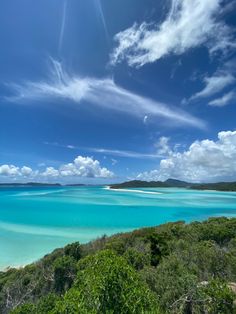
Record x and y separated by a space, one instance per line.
112 152
99 10
103 93
114 161
124 153
189 24
215 84
63 23
224 100
69 146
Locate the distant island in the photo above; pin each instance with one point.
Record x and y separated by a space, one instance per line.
29 184
151 184
220 186
35 184
171 183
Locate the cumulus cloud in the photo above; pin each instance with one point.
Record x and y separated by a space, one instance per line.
85 167
163 146
50 172
103 93
26 171
223 101
9 170
14 171
189 24
215 84
204 161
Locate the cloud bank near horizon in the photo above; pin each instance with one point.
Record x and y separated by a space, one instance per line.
203 161
81 167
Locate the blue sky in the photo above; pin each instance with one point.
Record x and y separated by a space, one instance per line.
106 90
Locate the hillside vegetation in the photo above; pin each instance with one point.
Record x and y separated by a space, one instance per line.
221 186
172 183
172 268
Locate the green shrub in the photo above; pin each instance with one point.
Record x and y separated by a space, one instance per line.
106 283
218 297
185 268
137 259
170 281
46 304
24 309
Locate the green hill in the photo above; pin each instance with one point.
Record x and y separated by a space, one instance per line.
220 186
139 184
172 268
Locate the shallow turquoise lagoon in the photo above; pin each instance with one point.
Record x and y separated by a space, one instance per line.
34 221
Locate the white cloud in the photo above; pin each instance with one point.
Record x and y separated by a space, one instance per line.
163 146
26 171
9 170
71 146
145 119
112 152
103 93
215 84
50 172
204 160
123 153
63 24
85 167
189 24
223 101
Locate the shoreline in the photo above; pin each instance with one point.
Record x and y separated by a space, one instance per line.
131 190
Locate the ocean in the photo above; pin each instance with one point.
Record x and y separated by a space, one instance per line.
36 220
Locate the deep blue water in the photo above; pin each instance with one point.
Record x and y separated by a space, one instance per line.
34 221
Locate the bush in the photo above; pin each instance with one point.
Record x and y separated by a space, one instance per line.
170 281
73 250
186 268
137 259
106 283
24 309
218 297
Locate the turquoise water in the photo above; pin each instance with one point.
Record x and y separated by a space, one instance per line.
34 221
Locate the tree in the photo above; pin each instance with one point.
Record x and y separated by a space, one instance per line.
64 273
73 250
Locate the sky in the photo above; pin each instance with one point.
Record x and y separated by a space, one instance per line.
102 91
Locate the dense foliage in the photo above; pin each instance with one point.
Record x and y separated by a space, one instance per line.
139 184
172 268
220 186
